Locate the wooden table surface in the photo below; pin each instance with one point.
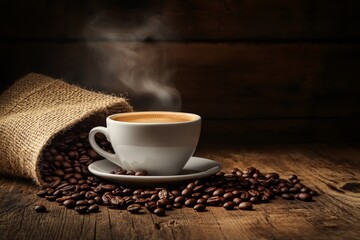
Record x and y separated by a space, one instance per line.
333 171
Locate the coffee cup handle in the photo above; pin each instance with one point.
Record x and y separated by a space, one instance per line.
110 156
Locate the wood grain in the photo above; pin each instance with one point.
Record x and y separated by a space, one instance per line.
181 20
333 215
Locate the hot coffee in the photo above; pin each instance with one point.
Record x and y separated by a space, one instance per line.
153 118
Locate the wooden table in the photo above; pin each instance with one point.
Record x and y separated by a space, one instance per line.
333 171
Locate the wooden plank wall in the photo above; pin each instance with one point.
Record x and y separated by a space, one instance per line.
257 71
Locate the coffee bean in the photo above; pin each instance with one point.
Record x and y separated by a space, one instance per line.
40 208
141 173
162 203
191 185
293 190
190 202
186 192
218 192
313 193
70 203
93 208
117 202
159 212
254 200
198 188
81 209
245 206
180 200
304 196
58 193
237 201
292 177
287 196
50 198
169 207
213 201
134 208
55 183
177 205
163 194
201 201
229 205
305 190
82 203
41 193
200 207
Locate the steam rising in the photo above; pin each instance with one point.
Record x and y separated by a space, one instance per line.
133 64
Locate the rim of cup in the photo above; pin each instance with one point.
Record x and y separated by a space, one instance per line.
194 117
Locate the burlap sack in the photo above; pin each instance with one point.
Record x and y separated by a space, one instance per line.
35 110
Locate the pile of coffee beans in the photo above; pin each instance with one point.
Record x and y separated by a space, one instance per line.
70 184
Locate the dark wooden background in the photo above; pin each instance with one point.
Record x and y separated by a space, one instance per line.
257 71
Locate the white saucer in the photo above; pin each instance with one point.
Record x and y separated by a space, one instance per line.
195 168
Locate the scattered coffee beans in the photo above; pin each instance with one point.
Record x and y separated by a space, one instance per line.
69 183
40 208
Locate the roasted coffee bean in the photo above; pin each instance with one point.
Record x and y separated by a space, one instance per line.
229 205
40 208
228 196
191 186
127 191
62 199
292 177
177 205
313 193
287 196
58 193
218 192
106 198
190 202
180 200
82 203
50 198
134 208
305 190
55 183
245 206
162 203
237 201
154 197
186 192
254 200
196 195
163 194
141 173
213 201
293 190
304 196
176 193
81 209
130 172
41 193
169 207
93 208
117 202
201 201
70 203
91 202
200 207
159 212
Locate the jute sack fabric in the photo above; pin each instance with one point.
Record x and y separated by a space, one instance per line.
37 108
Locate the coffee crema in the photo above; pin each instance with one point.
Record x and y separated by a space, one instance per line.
153 118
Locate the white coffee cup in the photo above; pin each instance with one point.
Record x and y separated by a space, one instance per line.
160 143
